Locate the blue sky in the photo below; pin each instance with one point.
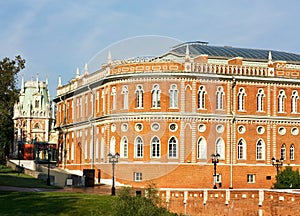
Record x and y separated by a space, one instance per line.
57 36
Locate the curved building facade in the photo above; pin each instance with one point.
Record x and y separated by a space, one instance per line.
167 115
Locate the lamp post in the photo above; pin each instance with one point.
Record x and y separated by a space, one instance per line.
215 159
113 159
48 177
277 163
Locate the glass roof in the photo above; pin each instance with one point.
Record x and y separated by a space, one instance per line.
198 48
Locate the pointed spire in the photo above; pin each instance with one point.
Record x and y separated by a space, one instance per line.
270 56
59 81
37 82
77 72
109 61
46 80
22 84
86 69
187 53
187 63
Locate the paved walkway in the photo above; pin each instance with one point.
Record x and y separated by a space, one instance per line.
92 190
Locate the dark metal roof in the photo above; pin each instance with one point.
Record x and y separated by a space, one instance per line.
227 52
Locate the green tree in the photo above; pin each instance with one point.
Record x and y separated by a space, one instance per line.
287 179
9 95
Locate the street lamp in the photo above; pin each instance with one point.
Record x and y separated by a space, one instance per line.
277 163
49 155
215 159
113 159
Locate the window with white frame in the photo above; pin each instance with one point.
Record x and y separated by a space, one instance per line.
97 149
173 96
139 92
86 108
260 150
281 97
260 100
138 176
283 152
294 104
201 148
201 97
139 147
241 149
124 147
112 146
155 93
97 101
220 148
80 106
125 97
250 178
155 147
292 152
172 147
103 100
85 149
114 98
219 98
241 99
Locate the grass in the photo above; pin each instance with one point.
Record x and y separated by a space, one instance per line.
9 177
54 203
47 203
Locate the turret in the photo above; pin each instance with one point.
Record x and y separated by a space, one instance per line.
187 62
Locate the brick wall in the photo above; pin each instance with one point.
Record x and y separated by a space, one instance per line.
232 202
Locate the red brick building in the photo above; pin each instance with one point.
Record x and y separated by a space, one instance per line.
167 115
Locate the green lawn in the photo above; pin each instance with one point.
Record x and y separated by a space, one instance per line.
9 177
61 203
54 203
47 203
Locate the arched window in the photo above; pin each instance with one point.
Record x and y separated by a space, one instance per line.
241 149
139 147
112 147
36 126
125 97
295 98
292 152
201 97
219 98
281 97
155 93
124 147
220 148
283 152
155 147
173 96
139 96
37 103
260 100
114 98
172 147
260 150
241 99
103 100
201 148
97 149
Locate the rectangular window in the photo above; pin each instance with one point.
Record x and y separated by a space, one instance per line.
251 178
138 176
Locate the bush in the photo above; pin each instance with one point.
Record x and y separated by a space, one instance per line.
128 204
